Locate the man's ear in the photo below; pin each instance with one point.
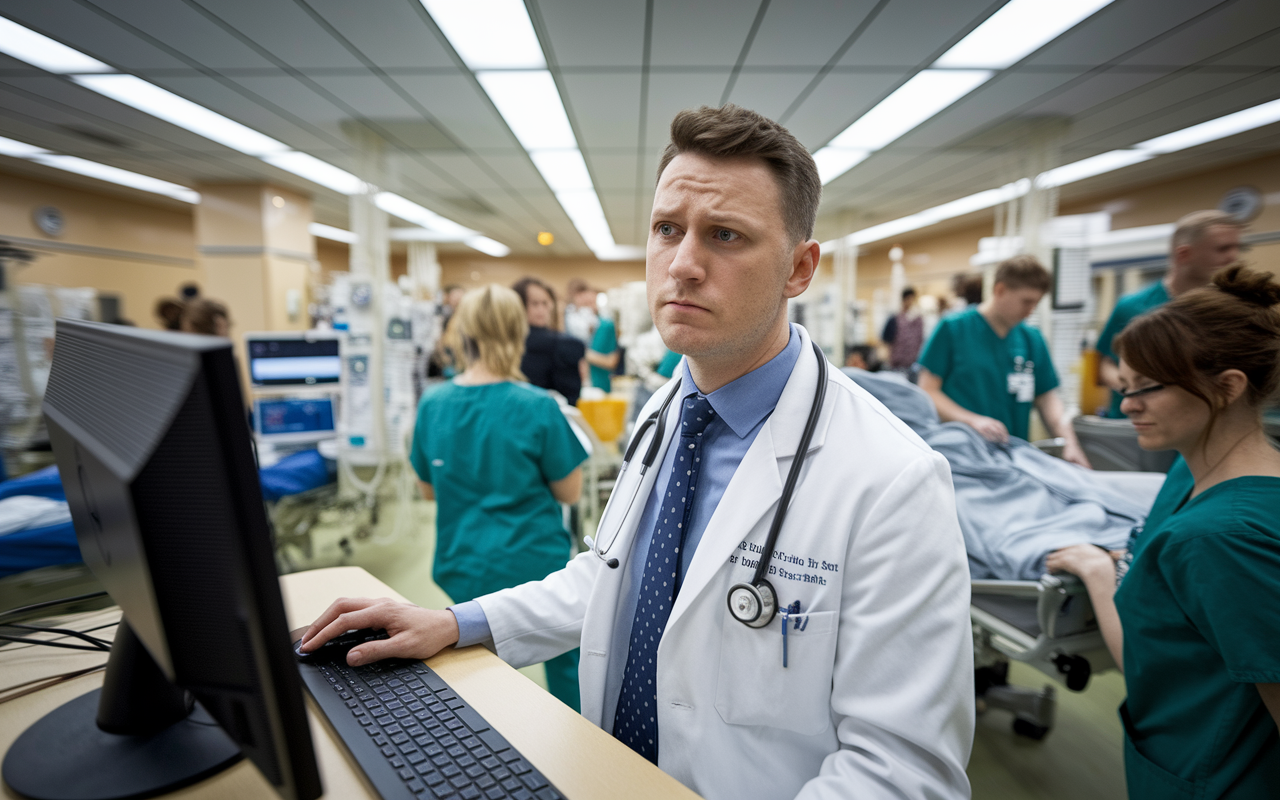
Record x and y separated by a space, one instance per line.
804 266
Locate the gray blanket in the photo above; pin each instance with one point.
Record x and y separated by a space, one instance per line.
1015 503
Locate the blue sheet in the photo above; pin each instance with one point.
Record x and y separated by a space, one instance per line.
56 544
1015 503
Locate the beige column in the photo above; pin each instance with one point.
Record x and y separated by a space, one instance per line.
255 252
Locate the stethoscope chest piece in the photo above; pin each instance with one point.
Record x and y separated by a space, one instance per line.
753 605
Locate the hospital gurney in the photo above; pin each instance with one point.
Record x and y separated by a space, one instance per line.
1048 624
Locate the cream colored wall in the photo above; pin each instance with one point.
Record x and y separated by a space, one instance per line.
931 258
138 251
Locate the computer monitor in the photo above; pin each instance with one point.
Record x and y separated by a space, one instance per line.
149 432
294 359
293 420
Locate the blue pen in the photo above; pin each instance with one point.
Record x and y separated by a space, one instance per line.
786 612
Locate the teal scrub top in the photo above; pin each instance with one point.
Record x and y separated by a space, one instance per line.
604 342
1200 609
1127 307
667 367
998 378
491 452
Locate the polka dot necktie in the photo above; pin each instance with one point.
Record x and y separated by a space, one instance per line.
636 721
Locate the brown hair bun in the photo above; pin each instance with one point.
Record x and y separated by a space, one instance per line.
1249 285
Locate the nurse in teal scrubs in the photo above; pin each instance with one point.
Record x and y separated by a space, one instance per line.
1195 622
498 456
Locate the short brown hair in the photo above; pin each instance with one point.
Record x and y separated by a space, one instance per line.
1190 228
199 316
1023 272
1188 342
730 131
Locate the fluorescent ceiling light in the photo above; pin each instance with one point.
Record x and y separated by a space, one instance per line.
331 233
1087 168
410 211
1015 31
9 147
915 101
118 176
40 51
134 91
833 162
1219 128
316 171
622 252
584 210
564 170
486 245
489 34
531 106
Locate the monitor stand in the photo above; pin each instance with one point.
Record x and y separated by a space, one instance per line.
137 736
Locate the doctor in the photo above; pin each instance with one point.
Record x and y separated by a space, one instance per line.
869 694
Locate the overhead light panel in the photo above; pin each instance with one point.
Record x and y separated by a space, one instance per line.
1219 128
486 245
586 214
530 104
40 51
489 34
332 234
564 170
1089 167
151 99
118 176
316 171
915 101
16 149
833 162
410 211
1017 30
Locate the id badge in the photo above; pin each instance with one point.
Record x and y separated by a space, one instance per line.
1022 385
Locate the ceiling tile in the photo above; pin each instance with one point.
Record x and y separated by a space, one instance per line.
671 92
461 108
699 33
805 32
391 35
604 108
286 31
368 95
1116 30
837 101
184 29
911 33
589 33
769 93
1219 31
613 172
82 28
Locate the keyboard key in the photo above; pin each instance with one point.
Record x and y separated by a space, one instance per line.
435 682
444 790
465 761
381 741
460 781
406 774
508 757
519 766
522 794
431 749
456 703
449 771
432 778
475 770
501 774
484 782
494 740
400 738
470 793
416 786
388 750
495 793
457 750
416 757
549 794
534 781
396 762
512 784
441 760
473 720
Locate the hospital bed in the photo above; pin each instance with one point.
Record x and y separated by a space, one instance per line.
1048 624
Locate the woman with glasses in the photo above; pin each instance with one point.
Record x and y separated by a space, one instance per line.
497 454
1195 621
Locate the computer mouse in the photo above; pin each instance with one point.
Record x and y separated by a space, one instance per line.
335 650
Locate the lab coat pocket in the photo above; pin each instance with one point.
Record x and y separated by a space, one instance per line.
753 688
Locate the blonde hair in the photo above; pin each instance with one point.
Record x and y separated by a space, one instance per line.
490 327
1190 228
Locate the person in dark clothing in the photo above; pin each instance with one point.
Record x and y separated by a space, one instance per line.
550 357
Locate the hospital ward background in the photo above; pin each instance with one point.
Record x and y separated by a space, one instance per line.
395 171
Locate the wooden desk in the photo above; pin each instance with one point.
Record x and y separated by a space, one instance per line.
582 761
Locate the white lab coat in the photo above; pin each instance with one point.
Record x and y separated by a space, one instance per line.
877 698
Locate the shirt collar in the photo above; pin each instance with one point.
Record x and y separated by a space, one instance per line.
746 401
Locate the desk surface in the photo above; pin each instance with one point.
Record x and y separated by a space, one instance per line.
579 758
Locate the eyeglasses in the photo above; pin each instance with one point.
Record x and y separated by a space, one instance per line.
1140 392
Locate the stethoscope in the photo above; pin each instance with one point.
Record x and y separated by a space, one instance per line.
756 603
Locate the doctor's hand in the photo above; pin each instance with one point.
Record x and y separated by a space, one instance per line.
993 430
1087 562
413 632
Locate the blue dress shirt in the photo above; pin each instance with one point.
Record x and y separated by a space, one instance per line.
741 408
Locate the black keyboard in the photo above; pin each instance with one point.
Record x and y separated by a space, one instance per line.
415 738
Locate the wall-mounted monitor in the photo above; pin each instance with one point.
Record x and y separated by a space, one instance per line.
293 359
